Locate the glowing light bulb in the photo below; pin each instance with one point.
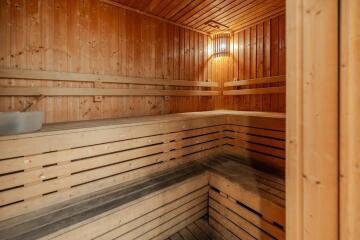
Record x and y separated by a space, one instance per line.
223 46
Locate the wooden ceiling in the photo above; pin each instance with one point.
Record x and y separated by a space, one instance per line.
228 15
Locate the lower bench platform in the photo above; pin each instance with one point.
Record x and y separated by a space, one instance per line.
198 230
153 208
244 202
241 202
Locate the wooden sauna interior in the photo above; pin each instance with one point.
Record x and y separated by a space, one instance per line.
180 119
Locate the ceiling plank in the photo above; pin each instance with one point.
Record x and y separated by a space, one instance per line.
193 14
151 15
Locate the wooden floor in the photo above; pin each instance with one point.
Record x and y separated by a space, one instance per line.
199 230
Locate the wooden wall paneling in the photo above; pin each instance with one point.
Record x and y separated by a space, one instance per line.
267 72
140 46
260 60
86 106
187 54
121 69
33 36
230 62
241 75
171 67
96 38
200 60
312 120
165 62
188 66
60 62
5 50
274 57
349 120
262 57
282 60
110 56
130 29
254 100
191 101
73 50
176 53
19 44
196 63
247 63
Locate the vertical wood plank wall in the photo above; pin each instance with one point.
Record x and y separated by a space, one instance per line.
92 37
349 120
312 114
257 52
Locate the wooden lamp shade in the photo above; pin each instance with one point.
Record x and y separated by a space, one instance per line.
221 45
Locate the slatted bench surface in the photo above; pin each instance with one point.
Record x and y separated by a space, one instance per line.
244 201
71 161
198 230
182 194
41 169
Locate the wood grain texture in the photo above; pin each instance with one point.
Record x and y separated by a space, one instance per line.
110 47
349 119
258 58
90 37
227 14
312 120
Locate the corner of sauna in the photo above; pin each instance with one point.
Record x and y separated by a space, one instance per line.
142 119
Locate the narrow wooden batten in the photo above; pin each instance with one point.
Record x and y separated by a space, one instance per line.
54 91
85 77
275 79
267 90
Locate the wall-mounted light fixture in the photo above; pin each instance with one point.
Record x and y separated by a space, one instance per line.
221 44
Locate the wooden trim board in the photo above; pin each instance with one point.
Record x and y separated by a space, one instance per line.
85 77
349 121
254 91
255 81
54 91
312 119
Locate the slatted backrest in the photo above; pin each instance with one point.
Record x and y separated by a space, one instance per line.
261 139
39 171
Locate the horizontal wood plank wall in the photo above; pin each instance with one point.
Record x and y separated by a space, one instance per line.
257 52
93 37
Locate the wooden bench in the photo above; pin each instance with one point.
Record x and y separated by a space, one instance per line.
45 172
244 201
163 203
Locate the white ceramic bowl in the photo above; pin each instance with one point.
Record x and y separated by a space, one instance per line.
20 122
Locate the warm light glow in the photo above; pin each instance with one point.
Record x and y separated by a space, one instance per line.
221 45
210 48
